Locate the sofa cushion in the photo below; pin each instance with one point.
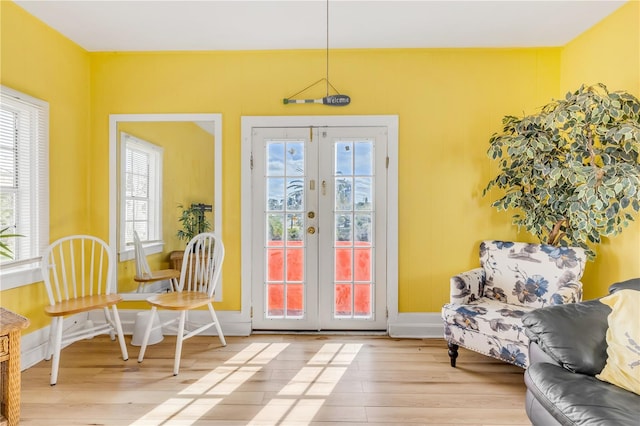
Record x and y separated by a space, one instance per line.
578 399
489 317
554 329
489 327
530 274
623 340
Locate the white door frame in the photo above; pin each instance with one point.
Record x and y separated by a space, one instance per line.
388 121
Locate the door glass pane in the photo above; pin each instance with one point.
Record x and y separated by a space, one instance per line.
344 158
364 158
362 264
284 237
364 194
295 158
343 263
344 191
363 227
275 193
343 227
295 297
343 301
295 192
295 264
275 264
275 300
275 159
353 218
275 228
362 304
295 230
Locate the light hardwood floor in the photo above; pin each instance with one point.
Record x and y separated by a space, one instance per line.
275 380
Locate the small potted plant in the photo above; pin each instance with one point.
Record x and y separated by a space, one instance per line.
5 250
193 222
571 171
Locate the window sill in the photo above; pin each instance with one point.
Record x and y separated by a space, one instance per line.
20 276
129 254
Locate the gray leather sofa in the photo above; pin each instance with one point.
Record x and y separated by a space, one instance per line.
567 349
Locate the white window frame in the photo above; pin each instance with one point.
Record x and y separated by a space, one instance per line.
33 221
155 243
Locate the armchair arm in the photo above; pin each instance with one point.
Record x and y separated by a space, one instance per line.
467 286
570 292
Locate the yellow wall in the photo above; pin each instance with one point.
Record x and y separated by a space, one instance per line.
608 53
40 62
449 102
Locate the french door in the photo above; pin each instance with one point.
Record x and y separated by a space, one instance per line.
318 220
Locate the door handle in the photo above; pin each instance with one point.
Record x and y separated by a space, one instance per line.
311 230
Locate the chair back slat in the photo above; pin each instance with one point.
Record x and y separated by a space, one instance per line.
99 288
83 275
202 264
63 291
74 274
142 266
77 266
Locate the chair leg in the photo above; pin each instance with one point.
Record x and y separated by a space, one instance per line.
218 328
48 350
107 317
179 339
57 346
120 333
453 353
147 333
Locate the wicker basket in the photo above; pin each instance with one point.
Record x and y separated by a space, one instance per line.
11 325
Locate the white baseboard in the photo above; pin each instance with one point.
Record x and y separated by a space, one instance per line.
417 326
404 325
231 322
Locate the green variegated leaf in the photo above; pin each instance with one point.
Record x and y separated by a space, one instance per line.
548 165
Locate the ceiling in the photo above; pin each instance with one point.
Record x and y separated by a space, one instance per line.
150 25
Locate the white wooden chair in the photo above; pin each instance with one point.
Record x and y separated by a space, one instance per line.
78 272
144 275
201 268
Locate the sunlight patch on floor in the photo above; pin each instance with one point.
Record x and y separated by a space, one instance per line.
297 402
282 412
318 378
182 411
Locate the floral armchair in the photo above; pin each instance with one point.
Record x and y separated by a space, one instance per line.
487 303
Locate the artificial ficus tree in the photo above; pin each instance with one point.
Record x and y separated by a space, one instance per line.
571 171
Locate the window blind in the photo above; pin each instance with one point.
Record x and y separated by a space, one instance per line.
24 174
141 192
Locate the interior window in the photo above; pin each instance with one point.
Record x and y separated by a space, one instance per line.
24 188
141 175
